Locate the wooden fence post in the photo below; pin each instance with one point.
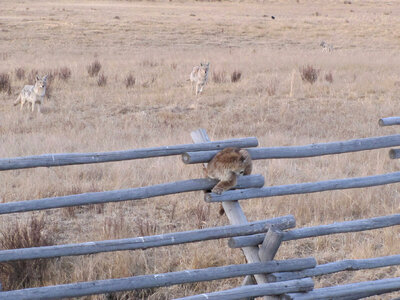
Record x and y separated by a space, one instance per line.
271 244
234 212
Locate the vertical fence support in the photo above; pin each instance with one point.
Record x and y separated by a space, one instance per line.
269 247
234 212
271 244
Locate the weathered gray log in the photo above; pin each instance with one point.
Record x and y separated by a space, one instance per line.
234 212
351 291
389 121
149 281
304 188
302 285
147 241
267 251
305 151
62 159
394 153
270 245
307 232
338 266
124 195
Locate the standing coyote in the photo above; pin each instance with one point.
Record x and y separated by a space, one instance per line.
226 165
326 47
33 93
199 76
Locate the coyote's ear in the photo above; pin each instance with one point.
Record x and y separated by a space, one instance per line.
45 77
37 78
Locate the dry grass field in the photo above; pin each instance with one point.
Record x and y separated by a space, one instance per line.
158 43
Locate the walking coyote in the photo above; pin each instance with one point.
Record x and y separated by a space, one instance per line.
326 47
33 93
199 76
226 165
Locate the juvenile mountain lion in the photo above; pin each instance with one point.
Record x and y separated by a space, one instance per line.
226 165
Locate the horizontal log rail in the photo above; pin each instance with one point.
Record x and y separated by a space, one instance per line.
63 159
350 291
265 289
304 151
146 242
157 280
305 188
338 266
389 121
320 230
124 195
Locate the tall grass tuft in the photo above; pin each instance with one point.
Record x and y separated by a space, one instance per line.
102 80
236 75
329 77
130 80
24 273
94 68
5 83
309 74
64 73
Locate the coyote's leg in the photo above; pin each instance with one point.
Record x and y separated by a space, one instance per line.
38 107
197 89
33 106
22 102
226 184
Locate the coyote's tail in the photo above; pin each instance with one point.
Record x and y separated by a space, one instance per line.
18 100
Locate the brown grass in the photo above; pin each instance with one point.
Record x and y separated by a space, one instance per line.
329 77
20 73
25 273
102 80
64 73
218 76
130 81
161 42
94 68
309 74
5 83
235 76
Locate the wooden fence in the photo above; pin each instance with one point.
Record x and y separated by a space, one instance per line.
259 240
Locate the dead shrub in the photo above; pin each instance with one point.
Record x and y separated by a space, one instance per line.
236 75
102 80
20 73
309 74
94 68
130 80
218 76
5 83
329 77
64 73
24 273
